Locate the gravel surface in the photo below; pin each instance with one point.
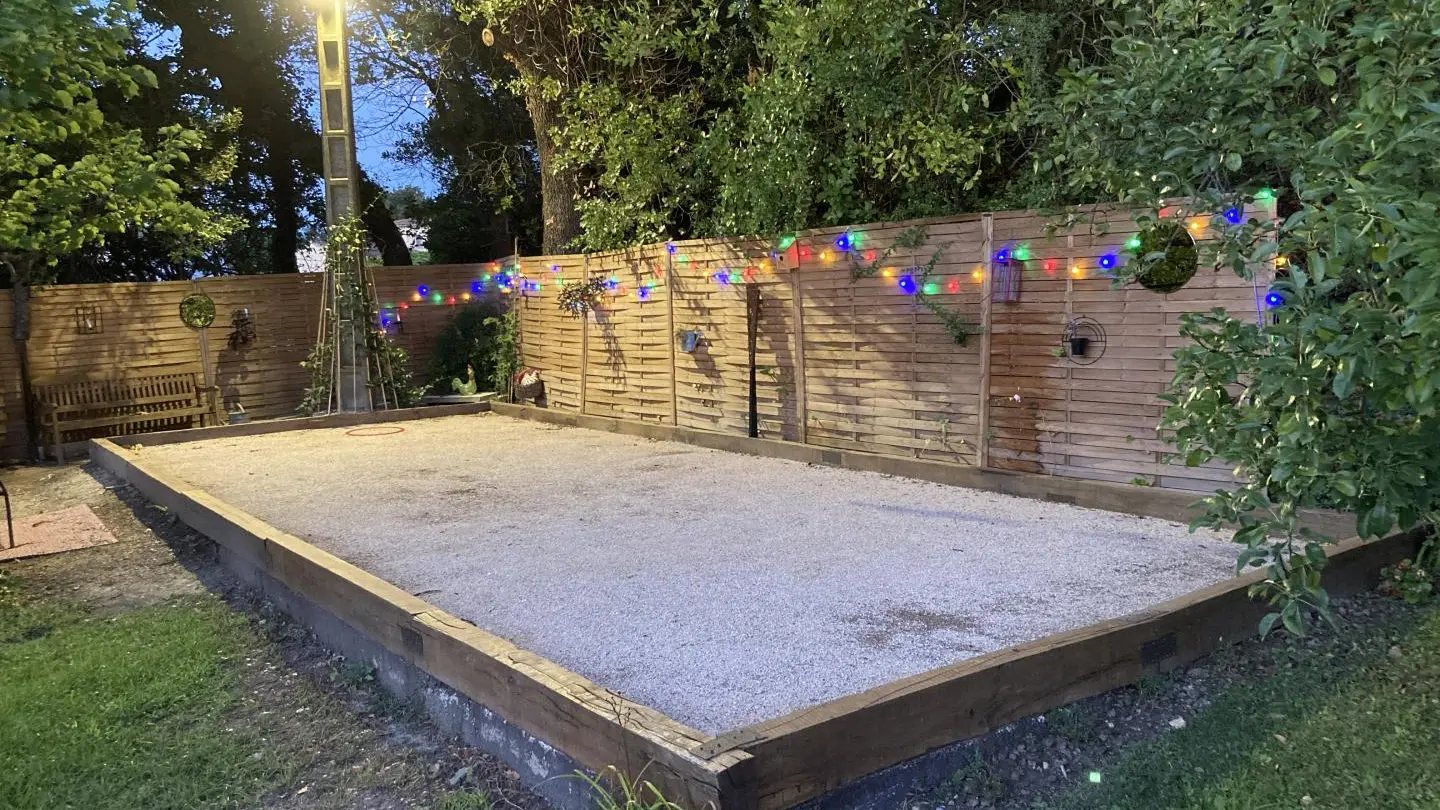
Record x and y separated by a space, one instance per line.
719 588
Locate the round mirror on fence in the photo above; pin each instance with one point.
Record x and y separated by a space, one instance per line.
1174 261
197 310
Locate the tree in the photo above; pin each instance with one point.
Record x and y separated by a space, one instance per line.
405 202
1331 107
69 176
550 49
732 117
246 50
476 133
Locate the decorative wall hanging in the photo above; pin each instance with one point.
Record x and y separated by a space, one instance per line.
197 311
1170 272
1084 340
1008 271
242 328
689 340
580 297
87 320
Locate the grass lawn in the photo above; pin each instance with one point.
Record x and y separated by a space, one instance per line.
124 712
1351 725
182 704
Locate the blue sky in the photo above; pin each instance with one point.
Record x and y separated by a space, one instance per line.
383 114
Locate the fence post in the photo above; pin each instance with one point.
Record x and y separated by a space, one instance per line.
585 341
798 308
671 289
982 441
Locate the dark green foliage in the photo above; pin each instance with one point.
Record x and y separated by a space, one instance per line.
1168 258
1332 110
470 339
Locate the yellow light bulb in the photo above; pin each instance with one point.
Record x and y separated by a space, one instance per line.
1076 270
887 272
978 274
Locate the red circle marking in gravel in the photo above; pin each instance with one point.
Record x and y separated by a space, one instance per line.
371 430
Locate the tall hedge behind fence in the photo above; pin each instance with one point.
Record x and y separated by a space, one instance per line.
137 331
858 364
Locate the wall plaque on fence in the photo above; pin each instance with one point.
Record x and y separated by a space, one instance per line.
1007 281
87 320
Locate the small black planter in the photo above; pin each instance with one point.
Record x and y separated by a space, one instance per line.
1078 346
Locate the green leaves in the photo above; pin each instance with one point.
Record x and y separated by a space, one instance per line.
69 178
1328 400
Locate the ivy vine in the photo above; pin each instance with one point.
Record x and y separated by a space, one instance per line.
957 324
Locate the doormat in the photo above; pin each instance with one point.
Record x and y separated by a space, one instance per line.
54 532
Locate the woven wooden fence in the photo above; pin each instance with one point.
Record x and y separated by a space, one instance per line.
102 331
858 364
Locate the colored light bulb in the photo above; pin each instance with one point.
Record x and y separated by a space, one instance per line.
423 290
786 241
670 247
1108 261
1002 256
1022 253
1274 299
930 288
907 284
952 286
1133 243
1265 194
1234 215
842 242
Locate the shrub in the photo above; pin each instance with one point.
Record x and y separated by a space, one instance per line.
471 338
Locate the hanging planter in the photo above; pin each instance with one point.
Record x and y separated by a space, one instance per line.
1083 341
689 340
580 297
1168 257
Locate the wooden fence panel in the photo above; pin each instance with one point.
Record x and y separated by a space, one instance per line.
846 360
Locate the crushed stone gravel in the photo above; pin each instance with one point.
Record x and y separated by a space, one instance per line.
719 588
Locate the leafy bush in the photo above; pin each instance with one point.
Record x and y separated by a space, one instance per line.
470 339
1328 110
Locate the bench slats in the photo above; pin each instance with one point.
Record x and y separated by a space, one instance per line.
158 401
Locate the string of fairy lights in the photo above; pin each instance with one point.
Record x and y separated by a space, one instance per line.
850 245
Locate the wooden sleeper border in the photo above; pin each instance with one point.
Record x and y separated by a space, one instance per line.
779 763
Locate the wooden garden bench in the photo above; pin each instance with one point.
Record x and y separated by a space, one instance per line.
136 404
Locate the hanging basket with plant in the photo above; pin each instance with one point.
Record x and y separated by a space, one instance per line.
1168 257
580 297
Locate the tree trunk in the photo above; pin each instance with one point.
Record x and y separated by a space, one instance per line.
20 275
284 207
381 226
559 187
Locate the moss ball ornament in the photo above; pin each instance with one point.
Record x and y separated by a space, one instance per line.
1179 263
